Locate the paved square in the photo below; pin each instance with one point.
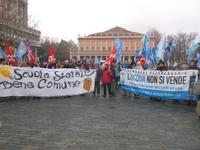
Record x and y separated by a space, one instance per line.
88 123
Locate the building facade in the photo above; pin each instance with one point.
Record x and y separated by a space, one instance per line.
100 44
14 23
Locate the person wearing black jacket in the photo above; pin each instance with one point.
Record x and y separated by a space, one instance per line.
193 65
97 80
161 66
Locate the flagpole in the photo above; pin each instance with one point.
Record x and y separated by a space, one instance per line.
168 64
47 65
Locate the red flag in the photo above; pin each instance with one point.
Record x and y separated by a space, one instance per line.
142 60
51 55
31 57
112 56
10 57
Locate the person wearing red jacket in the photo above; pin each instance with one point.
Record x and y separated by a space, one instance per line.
106 79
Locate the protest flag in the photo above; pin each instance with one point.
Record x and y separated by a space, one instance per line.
2 54
169 46
138 53
139 57
198 59
160 49
10 57
145 42
30 56
169 51
142 60
51 55
118 48
152 57
112 56
192 47
20 51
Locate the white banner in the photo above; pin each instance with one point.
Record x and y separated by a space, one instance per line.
18 81
161 84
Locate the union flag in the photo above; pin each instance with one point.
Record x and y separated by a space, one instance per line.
9 56
51 55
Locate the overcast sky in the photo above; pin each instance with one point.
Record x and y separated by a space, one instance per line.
66 19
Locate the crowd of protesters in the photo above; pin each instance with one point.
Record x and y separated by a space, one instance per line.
107 74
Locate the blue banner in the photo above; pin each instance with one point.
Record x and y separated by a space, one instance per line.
168 85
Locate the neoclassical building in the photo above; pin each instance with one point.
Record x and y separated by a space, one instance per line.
100 44
14 23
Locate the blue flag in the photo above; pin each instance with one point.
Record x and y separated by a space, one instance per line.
152 57
2 53
192 47
145 43
198 59
160 49
16 53
118 48
138 53
169 50
20 51
169 46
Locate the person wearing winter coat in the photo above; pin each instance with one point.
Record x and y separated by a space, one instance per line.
97 80
106 79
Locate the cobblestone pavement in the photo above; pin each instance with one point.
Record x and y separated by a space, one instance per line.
88 123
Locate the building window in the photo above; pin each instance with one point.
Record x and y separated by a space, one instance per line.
87 57
104 48
81 57
82 49
98 48
93 58
92 48
103 57
122 59
87 48
109 49
126 34
126 48
126 58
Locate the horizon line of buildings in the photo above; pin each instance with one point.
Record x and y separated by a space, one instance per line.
100 44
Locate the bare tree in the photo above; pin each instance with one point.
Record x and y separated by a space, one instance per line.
156 34
32 23
181 42
62 49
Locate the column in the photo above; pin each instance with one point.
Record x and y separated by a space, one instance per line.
25 14
130 50
135 42
101 45
107 45
95 45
